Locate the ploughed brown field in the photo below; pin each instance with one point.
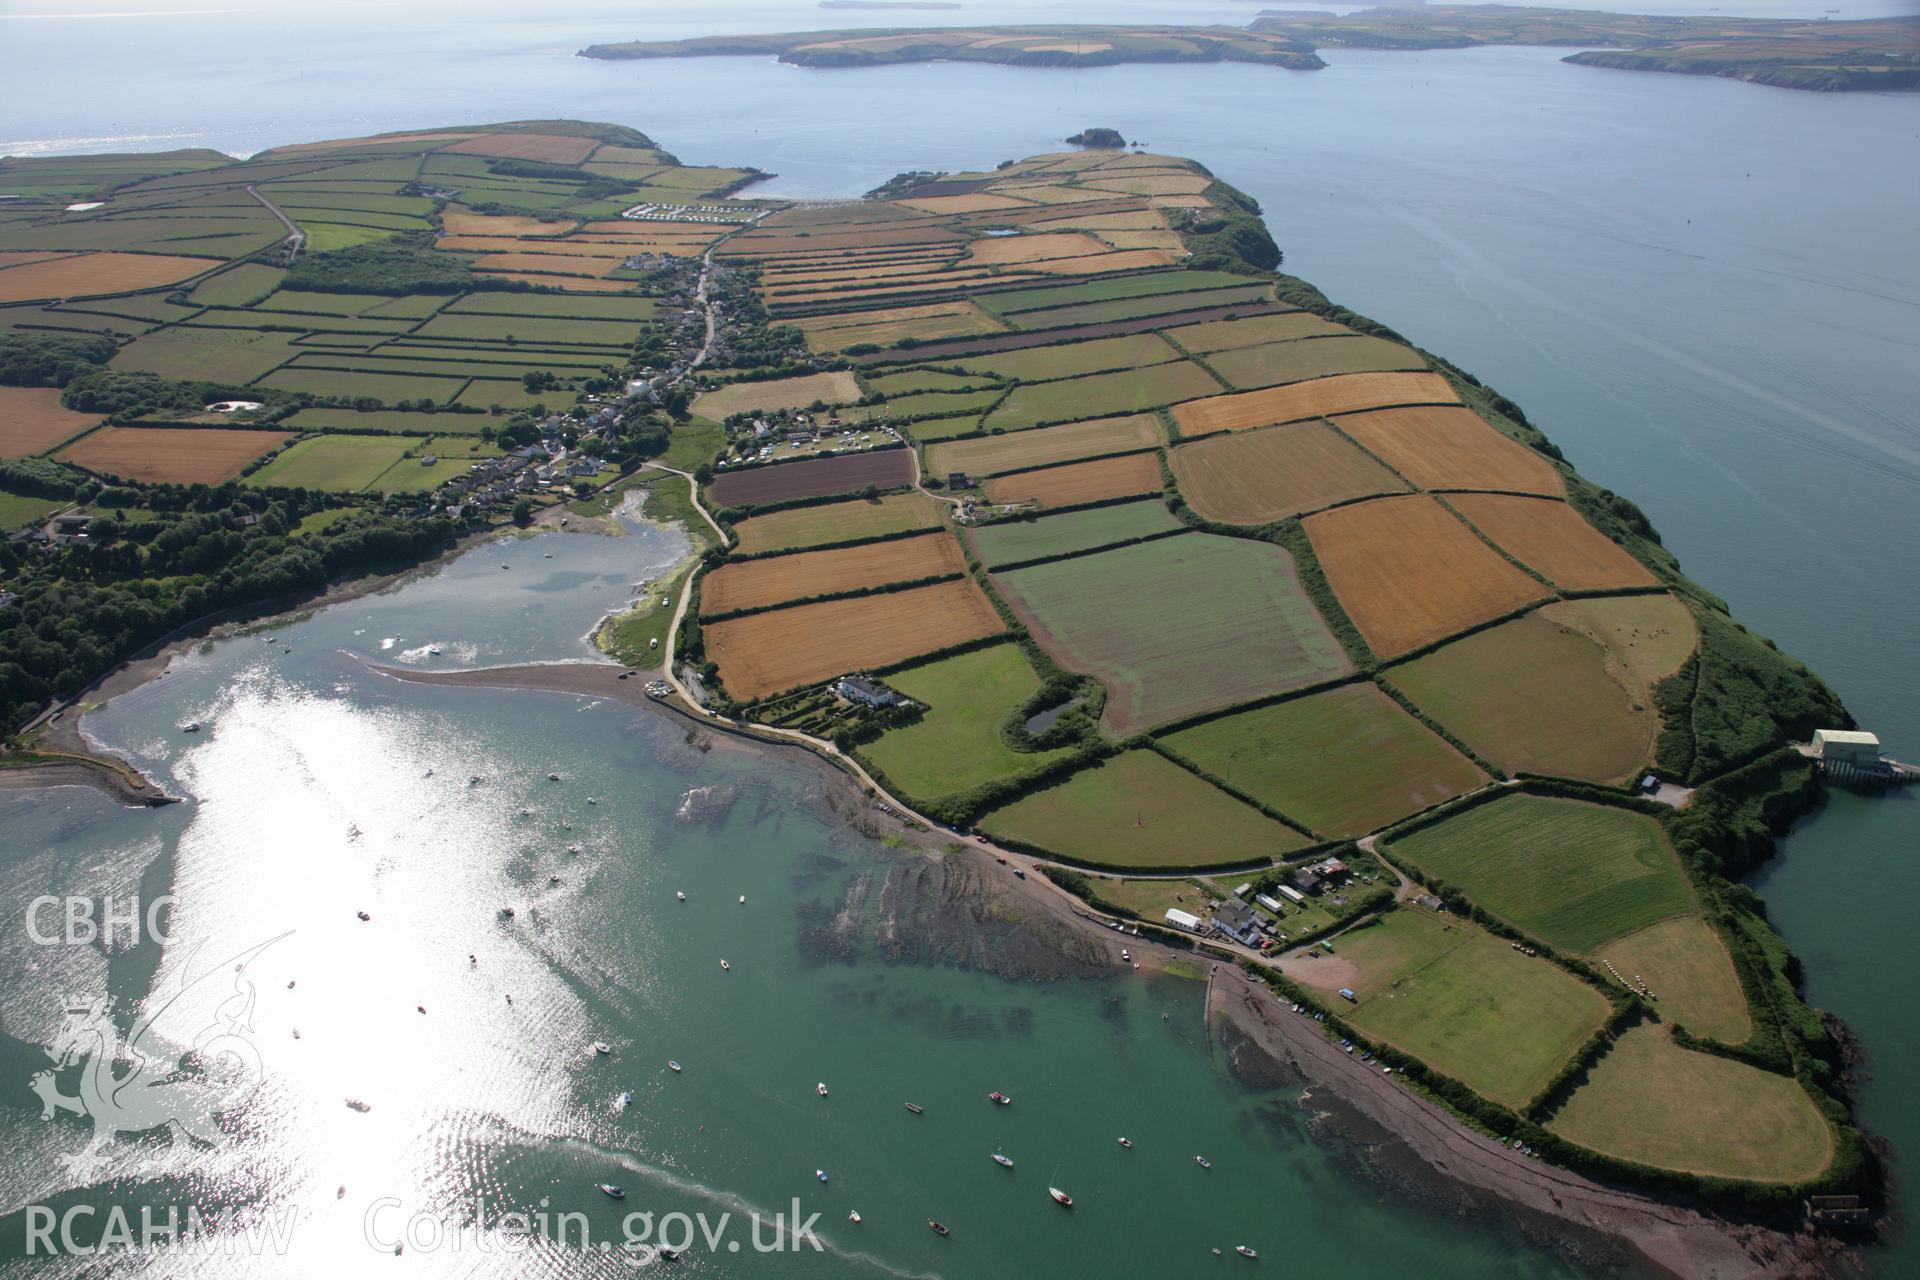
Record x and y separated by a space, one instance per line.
750 584
32 420
1552 539
1346 393
812 478
170 455
1409 573
1078 482
1257 477
1451 447
75 274
781 649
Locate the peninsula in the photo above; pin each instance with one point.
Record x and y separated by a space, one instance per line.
1792 53
1040 500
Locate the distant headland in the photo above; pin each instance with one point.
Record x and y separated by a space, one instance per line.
1789 53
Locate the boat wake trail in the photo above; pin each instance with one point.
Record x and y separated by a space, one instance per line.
731 1201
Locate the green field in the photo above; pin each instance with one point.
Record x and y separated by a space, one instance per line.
578 306
1129 286
1129 308
1574 875
344 463
1139 809
1248 368
1501 1022
1229 335
237 286
1652 1102
1178 626
1074 359
895 384
302 301
410 475
1102 395
325 237
1344 762
532 329
936 403
956 745
1013 541
388 387
219 355
393 420
17 509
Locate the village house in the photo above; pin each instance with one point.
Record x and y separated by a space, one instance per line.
868 693
1237 921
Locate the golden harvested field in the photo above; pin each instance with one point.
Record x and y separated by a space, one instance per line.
1687 967
837 387
1408 573
1652 1102
990 455
1153 184
905 292
1167 242
541 147
1257 477
75 274
750 584
755 244
1447 447
885 326
765 653
855 272
456 221
1253 331
175 455
15 257
1651 636
33 421
994 250
837 522
973 202
1535 696
1078 482
1118 260
1553 540
1348 393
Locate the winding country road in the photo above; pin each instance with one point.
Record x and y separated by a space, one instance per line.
296 238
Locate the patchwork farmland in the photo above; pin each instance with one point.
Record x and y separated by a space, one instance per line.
1112 547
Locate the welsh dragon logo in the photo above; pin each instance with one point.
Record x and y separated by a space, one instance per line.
142 1083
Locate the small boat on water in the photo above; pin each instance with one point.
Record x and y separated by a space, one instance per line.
673 1066
1245 1252
821 1088
1060 1197
820 1174
553 777
612 1192
854 1217
624 1101
602 1048
1203 1162
433 650
938 1229
1001 1098
726 966
1002 1161
681 896
363 915
915 1107
1127 1143
743 899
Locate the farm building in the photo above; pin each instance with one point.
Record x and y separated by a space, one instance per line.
868 693
1846 746
1183 920
1306 881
